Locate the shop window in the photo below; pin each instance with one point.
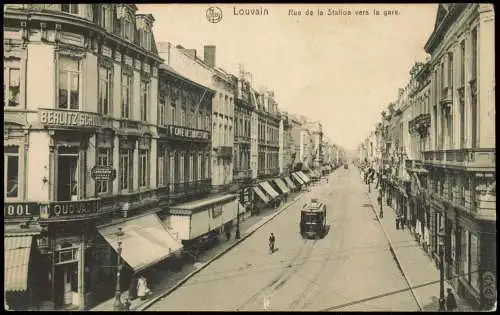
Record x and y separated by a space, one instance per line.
144 100
12 75
127 83
161 170
125 169
143 168
69 8
104 158
69 83
11 174
105 90
474 262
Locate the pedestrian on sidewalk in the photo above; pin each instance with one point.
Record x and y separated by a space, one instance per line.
142 288
381 212
451 302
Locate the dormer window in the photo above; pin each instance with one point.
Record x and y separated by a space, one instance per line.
145 38
106 18
128 29
69 8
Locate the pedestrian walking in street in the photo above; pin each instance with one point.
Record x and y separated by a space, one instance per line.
451 302
126 305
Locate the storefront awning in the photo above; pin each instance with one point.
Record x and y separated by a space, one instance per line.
304 177
270 190
298 178
202 203
145 241
261 194
289 182
281 184
17 251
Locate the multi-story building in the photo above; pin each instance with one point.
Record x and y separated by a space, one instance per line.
286 149
242 172
316 132
184 131
186 62
254 136
268 143
461 157
80 142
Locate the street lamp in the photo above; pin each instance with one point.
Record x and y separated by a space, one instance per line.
117 306
441 236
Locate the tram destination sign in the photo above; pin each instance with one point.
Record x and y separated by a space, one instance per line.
103 173
65 118
16 210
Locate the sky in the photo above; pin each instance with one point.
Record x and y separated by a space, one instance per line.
341 70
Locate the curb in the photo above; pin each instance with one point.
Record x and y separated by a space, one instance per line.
146 305
394 254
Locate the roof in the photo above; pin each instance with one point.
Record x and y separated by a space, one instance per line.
314 206
176 74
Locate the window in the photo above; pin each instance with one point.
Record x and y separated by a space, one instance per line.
181 167
105 90
200 167
11 175
126 95
104 158
474 263
161 169
143 168
474 53
450 70
106 17
207 166
172 168
462 63
172 114
192 170
12 75
69 8
125 169
182 120
69 83
162 111
145 39
144 100
128 29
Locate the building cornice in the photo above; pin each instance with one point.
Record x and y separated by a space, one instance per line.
84 25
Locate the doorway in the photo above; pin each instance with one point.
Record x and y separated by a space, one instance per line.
67 177
66 284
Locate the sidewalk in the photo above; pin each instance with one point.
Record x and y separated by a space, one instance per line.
167 281
418 269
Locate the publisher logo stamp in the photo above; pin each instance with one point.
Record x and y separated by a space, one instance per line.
214 14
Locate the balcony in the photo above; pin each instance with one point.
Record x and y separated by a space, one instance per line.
182 190
224 152
468 159
241 139
420 124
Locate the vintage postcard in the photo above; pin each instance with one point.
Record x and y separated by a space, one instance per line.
249 157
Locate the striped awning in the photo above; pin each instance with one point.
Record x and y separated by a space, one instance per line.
145 241
304 177
17 257
270 190
298 178
261 194
289 182
281 184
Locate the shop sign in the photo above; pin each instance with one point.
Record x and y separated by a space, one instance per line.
63 118
103 173
188 133
20 210
69 209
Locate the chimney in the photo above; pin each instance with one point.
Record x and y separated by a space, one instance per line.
209 55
